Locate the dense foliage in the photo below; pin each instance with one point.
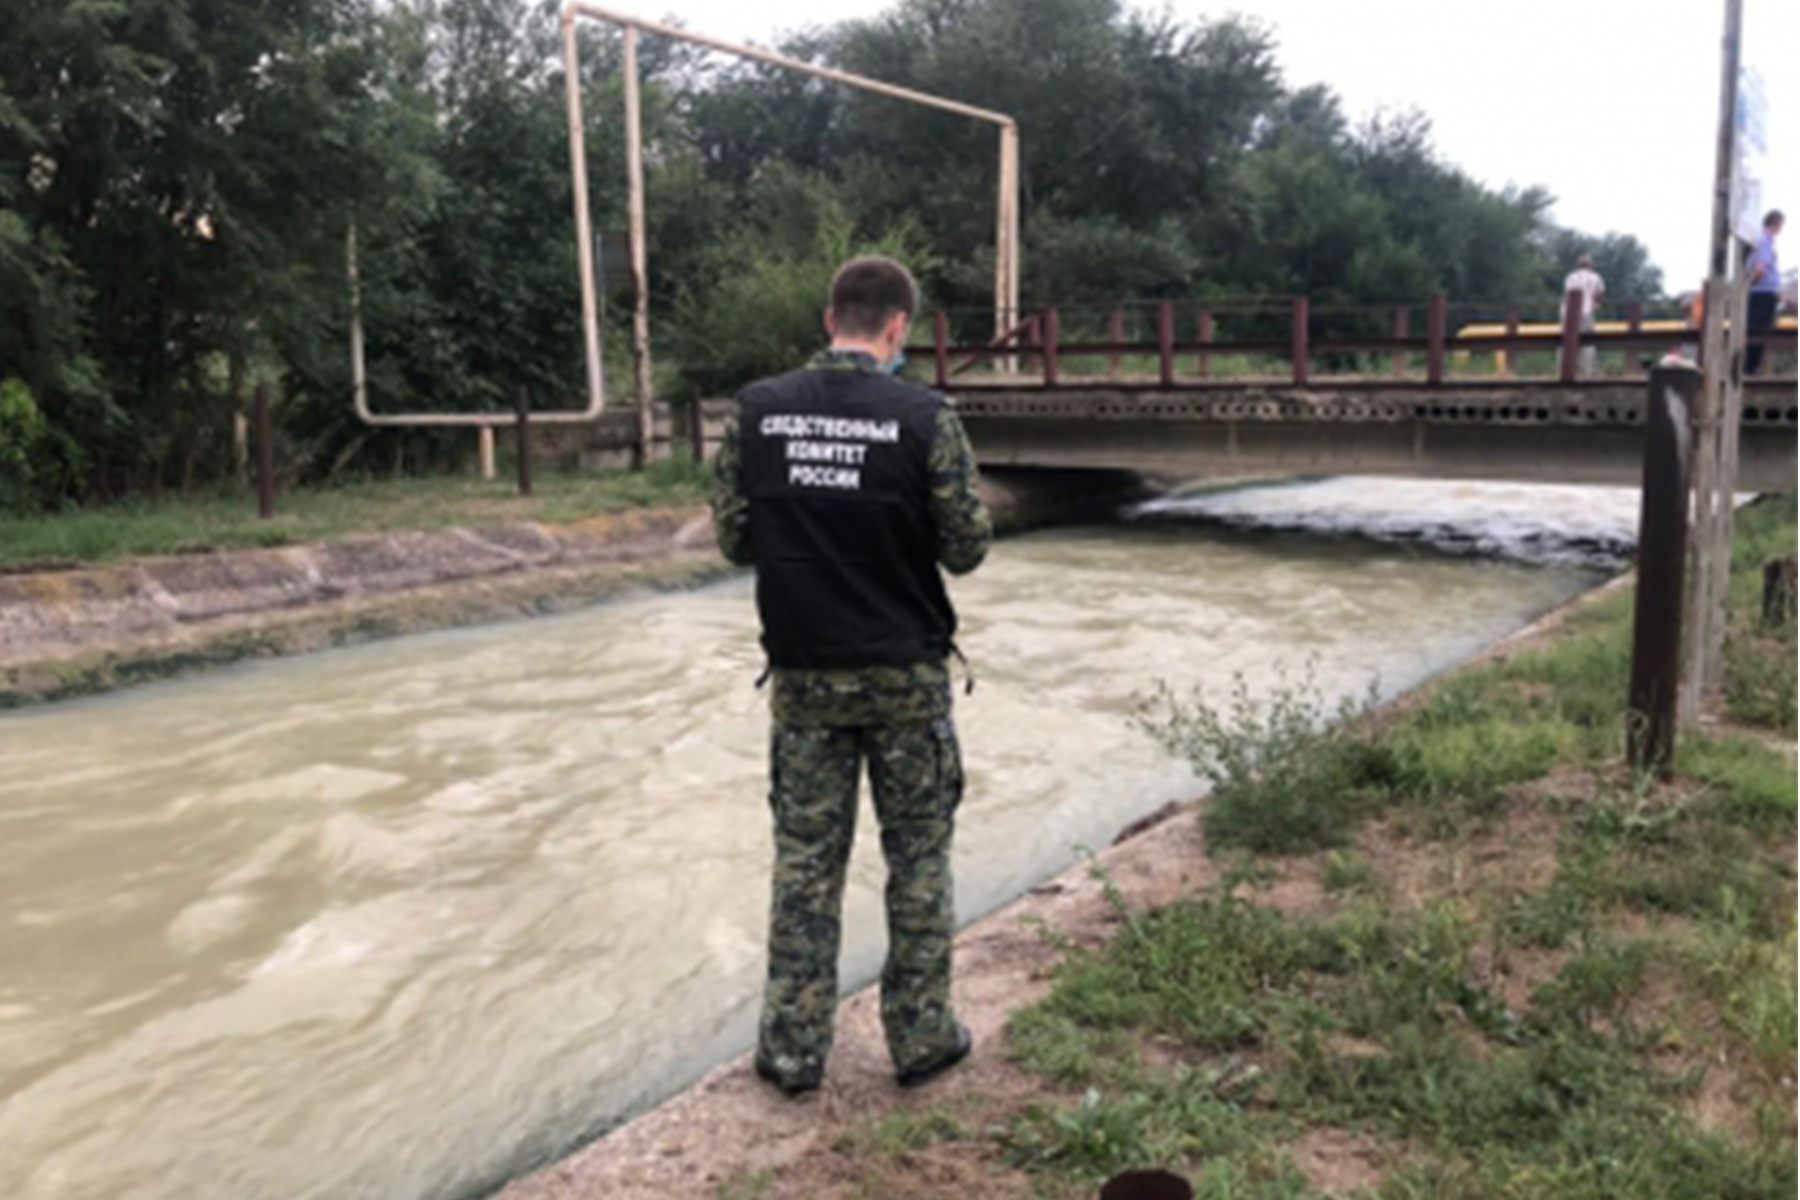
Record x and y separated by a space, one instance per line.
177 178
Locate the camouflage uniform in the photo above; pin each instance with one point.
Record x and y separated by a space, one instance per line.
827 723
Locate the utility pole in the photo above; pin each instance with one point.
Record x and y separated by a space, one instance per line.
1715 471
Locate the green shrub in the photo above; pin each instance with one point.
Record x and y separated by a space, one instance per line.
38 462
1288 774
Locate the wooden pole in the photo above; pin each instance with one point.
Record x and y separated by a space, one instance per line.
1050 365
1569 367
1402 319
1731 415
1436 323
1301 354
697 430
488 467
1115 338
522 407
640 268
1203 330
265 455
1165 343
1662 561
1508 356
1712 499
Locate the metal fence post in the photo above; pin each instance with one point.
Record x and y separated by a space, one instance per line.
1049 347
1634 322
1509 356
1300 352
522 405
1402 323
1165 343
1115 338
1436 319
1662 559
265 455
1203 329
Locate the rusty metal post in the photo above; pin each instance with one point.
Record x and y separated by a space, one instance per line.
1634 323
1662 560
1436 318
1402 324
265 455
1301 354
1049 347
1508 356
1571 336
1203 329
1165 343
522 405
1115 338
939 338
697 429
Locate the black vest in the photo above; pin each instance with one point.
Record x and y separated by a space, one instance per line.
836 467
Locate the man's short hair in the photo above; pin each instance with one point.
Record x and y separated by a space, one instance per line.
1586 260
866 293
1774 217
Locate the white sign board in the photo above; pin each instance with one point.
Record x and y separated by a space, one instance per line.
1750 155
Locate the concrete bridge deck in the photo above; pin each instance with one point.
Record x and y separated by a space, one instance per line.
1589 432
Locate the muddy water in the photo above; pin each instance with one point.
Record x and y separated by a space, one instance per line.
395 921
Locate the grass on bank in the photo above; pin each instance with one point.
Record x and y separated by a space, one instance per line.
1521 972
227 520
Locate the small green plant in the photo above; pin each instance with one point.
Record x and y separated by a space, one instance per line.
1289 774
1345 871
902 1133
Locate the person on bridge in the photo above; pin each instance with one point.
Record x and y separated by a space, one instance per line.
1585 280
847 489
1765 288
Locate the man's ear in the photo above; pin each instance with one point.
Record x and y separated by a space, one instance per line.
830 324
896 330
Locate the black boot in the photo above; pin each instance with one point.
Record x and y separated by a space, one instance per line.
927 1071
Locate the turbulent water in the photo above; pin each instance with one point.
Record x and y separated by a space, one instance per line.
395 921
1562 526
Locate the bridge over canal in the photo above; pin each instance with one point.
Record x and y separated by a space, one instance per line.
1514 405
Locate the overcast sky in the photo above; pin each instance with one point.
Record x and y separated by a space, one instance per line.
1610 104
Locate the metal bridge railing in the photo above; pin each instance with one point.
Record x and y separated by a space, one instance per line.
1287 340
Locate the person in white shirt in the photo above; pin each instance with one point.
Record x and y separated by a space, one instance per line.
1587 281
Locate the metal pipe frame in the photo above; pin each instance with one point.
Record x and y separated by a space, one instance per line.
1006 239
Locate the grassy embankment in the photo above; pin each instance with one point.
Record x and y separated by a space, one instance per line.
1459 951
227 520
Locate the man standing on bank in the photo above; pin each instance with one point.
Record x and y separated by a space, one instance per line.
847 488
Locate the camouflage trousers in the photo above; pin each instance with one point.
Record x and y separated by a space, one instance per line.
915 773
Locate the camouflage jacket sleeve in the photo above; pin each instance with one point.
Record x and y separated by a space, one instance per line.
730 510
964 527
